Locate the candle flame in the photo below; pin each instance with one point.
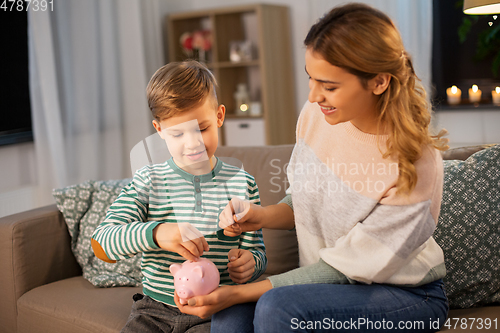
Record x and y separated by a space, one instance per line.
497 89
475 88
454 90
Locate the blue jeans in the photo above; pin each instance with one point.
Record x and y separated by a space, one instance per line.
343 308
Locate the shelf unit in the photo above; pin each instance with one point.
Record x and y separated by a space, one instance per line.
468 127
269 76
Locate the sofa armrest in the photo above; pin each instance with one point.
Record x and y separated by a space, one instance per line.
34 250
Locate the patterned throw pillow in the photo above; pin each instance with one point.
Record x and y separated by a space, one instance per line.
469 229
84 206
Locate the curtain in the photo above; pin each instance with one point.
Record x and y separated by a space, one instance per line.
414 21
90 62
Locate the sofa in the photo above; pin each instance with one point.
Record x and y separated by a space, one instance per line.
44 287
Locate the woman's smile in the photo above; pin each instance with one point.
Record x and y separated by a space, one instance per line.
327 110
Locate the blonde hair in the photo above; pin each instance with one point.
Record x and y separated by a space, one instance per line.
178 87
364 41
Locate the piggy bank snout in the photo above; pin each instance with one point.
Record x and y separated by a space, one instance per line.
183 292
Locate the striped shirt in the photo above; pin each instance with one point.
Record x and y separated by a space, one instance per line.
164 193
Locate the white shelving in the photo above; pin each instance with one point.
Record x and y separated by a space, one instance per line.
469 127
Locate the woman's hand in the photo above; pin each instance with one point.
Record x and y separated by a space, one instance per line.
181 238
205 306
241 265
244 213
240 216
222 298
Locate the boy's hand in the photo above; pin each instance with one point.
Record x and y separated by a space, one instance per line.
241 265
181 238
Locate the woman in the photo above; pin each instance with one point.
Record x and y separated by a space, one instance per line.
365 191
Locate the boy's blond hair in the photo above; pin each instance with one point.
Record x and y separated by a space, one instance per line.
178 87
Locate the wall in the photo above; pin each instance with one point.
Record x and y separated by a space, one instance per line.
17 162
17 179
304 13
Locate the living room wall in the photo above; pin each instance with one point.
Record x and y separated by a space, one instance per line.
412 18
18 181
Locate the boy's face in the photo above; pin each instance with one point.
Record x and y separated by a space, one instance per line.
192 136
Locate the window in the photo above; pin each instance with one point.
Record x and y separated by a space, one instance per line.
453 62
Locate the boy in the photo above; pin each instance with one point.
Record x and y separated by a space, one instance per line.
170 211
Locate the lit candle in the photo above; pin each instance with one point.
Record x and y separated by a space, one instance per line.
474 94
495 95
454 95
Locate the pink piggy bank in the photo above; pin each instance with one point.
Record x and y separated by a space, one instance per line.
194 278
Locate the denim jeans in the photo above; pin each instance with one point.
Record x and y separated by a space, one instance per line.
340 308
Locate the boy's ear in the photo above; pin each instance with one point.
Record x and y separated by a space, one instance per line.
221 115
157 127
380 83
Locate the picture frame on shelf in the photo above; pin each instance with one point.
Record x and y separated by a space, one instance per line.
240 50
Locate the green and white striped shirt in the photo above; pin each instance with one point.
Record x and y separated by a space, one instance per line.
164 193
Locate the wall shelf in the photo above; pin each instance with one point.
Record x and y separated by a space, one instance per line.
269 76
230 64
468 127
467 107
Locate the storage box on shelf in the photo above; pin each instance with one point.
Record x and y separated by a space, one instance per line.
268 74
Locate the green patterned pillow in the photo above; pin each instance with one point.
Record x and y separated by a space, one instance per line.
469 229
84 206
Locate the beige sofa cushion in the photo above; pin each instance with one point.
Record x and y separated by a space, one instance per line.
268 166
74 305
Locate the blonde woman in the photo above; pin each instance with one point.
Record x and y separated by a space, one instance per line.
365 190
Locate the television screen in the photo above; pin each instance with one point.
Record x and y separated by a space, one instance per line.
15 114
